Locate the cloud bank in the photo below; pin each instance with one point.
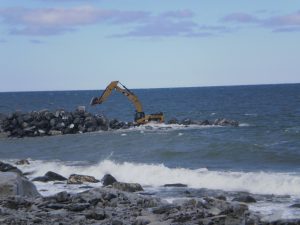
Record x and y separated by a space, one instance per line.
281 23
55 21
180 23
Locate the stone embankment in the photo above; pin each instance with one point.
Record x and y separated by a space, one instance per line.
115 203
47 123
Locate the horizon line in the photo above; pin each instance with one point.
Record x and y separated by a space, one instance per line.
226 85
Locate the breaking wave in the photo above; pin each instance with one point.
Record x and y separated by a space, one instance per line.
155 175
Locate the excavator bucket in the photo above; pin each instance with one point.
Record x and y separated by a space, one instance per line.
94 101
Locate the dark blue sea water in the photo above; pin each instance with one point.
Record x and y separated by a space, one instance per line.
261 156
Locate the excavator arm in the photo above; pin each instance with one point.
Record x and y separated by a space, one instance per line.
114 85
140 116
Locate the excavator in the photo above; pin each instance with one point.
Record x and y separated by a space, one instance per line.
140 117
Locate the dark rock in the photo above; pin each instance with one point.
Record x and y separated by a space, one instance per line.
54 176
246 199
62 196
186 122
108 180
221 197
78 207
5 167
165 209
50 176
173 121
55 206
205 123
128 187
96 215
175 185
116 222
296 205
79 179
40 179
22 162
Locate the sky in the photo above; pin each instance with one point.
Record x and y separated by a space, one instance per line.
85 44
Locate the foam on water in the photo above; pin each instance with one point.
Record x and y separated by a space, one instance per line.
156 175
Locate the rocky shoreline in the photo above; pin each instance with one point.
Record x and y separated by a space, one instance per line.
116 203
47 123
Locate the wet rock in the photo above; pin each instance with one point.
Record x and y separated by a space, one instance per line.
165 209
40 179
78 207
54 132
54 176
50 176
128 187
296 205
246 199
79 179
175 185
186 121
100 215
173 121
108 180
12 184
5 167
62 196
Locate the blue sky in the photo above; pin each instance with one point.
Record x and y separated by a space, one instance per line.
84 44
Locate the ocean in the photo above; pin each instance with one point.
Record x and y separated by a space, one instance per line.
261 156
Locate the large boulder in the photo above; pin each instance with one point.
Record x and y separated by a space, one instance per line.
128 187
108 180
50 176
12 184
79 179
5 167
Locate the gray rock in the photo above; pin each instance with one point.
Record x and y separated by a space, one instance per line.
296 205
54 176
108 180
175 185
22 162
78 207
79 179
13 184
246 199
55 132
99 215
5 167
128 187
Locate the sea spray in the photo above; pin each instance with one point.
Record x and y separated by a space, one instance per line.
156 175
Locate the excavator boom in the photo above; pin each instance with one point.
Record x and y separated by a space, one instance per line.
140 117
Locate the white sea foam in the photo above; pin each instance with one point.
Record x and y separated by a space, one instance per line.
155 175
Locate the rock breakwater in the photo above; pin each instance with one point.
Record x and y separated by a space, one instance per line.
48 123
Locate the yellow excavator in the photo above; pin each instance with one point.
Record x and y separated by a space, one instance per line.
140 117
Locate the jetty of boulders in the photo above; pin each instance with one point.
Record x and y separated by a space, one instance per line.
48 123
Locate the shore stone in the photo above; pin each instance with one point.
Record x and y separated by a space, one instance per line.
108 180
128 187
13 184
22 162
79 179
